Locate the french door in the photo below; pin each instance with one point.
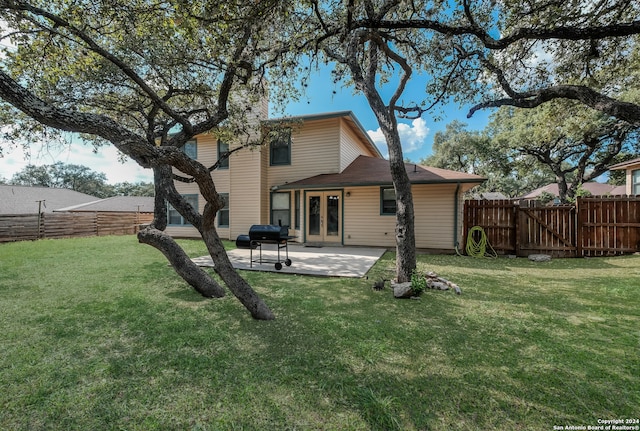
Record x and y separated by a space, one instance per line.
324 217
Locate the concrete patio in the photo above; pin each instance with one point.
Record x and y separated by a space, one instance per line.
321 261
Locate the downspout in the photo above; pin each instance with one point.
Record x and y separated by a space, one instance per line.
455 218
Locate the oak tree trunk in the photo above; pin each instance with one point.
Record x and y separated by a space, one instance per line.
223 267
181 263
405 216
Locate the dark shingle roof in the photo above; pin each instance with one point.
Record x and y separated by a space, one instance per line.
24 199
371 171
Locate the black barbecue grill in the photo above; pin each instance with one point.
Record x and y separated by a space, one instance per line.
266 234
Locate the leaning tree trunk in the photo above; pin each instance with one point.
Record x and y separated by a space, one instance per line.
155 236
181 263
223 267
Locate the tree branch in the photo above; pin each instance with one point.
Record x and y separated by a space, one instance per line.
95 47
626 111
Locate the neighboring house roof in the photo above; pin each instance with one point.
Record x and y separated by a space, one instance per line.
371 171
596 189
115 204
490 196
619 190
347 115
24 199
625 165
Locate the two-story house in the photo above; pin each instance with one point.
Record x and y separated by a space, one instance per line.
632 169
327 181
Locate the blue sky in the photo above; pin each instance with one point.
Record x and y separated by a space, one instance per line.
417 135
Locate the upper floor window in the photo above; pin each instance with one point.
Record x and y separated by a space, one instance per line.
280 147
635 182
387 201
223 213
190 148
175 218
223 147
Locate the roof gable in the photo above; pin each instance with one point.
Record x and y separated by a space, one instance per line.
348 116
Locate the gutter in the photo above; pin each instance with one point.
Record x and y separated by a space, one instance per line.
370 184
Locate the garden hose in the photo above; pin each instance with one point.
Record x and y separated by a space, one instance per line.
481 247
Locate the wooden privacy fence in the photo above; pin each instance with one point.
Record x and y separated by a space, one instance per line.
594 226
70 224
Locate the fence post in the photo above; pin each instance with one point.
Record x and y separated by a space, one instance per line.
40 214
579 223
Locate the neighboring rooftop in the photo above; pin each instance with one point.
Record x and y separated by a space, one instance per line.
596 189
490 196
372 171
115 204
25 199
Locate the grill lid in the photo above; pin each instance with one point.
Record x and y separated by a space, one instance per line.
268 232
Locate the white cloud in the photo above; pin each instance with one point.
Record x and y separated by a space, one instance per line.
412 136
106 160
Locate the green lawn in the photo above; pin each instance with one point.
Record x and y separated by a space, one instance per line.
99 333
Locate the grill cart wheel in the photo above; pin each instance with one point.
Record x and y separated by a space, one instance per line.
287 262
278 266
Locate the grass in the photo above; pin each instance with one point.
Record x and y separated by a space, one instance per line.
99 333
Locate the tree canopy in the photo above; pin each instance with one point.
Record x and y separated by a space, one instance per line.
576 144
79 178
145 76
507 172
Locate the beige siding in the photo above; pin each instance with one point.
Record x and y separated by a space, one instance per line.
363 224
314 151
351 147
246 193
434 210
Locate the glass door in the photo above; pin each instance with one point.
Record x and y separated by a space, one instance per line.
324 217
